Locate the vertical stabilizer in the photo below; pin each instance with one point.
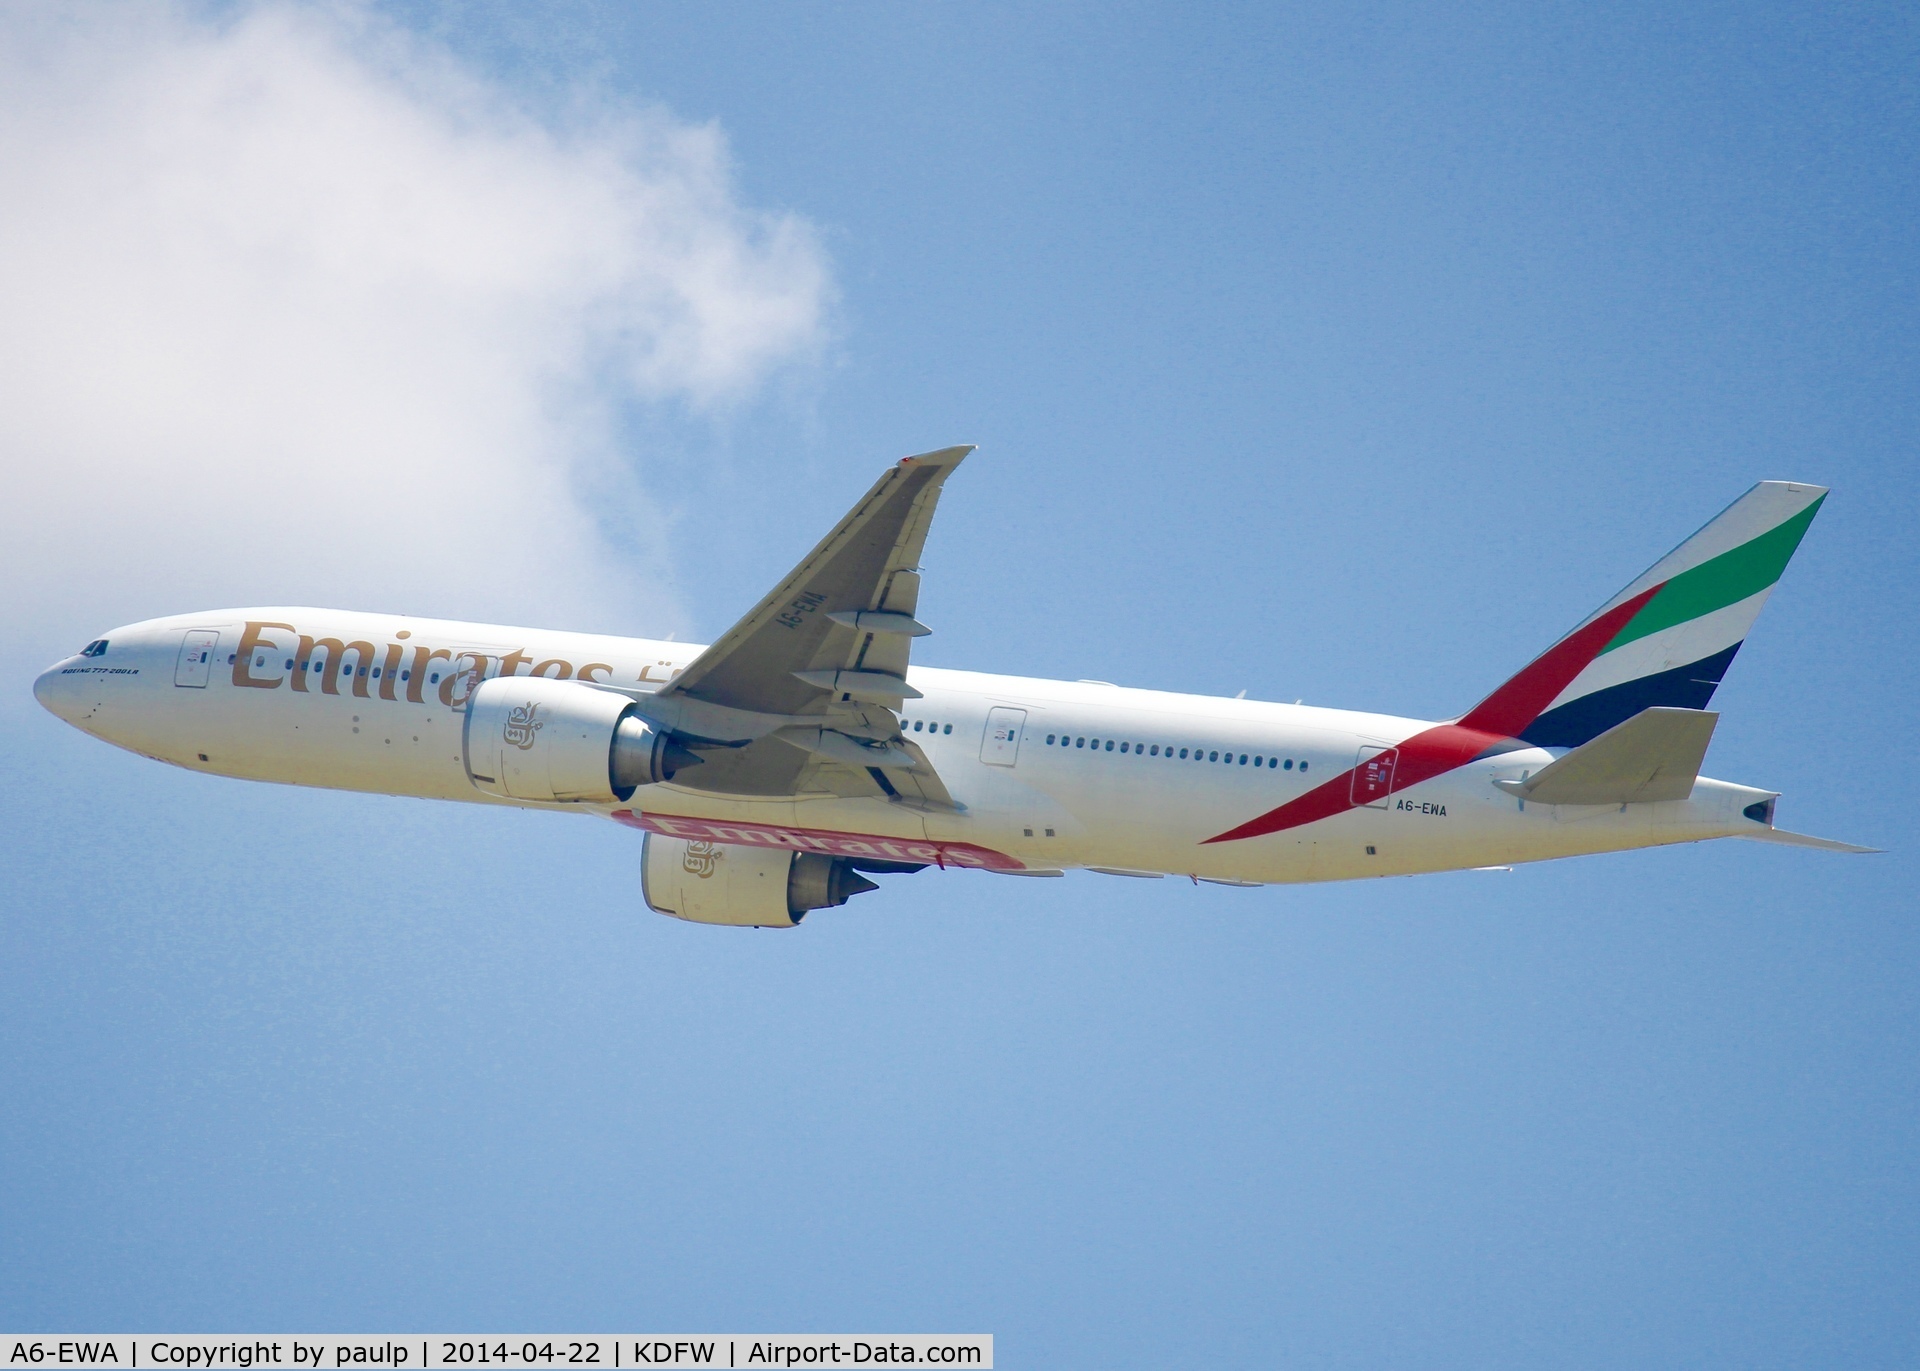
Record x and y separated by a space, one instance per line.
1667 639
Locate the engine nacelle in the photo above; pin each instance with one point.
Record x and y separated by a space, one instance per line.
532 738
752 887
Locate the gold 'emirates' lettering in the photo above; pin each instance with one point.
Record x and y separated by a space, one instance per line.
423 657
336 665
326 658
389 670
251 642
302 662
473 675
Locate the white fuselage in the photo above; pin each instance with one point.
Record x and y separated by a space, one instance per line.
1151 782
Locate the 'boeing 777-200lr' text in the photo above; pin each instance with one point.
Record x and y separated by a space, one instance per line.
776 770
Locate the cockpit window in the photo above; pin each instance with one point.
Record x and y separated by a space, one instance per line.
96 648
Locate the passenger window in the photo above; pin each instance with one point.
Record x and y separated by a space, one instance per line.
1303 766
1154 751
1049 740
918 725
1079 742
1243 759
1123 747
946 728
1288 764
1183 754
1213 756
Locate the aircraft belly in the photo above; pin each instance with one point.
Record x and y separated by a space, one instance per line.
1463 823
343 743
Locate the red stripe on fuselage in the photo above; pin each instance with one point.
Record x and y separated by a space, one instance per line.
1502 715
1422 757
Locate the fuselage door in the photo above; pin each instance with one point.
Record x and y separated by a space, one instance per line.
195 667
1373 776
1001 746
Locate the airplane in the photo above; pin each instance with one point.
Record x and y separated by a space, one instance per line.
777 770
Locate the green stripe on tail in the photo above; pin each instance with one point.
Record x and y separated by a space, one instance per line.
1727 579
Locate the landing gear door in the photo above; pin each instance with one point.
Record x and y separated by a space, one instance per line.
1373 776
1001 746
195 666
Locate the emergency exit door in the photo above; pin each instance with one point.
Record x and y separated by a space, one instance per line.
195 667
1373 776
1001 746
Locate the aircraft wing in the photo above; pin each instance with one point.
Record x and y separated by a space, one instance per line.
804 693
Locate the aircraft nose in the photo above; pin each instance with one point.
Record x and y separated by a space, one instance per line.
55 691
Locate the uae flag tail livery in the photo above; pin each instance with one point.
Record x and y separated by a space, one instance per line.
1664 642
1668 638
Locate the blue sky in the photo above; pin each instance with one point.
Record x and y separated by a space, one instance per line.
1347 356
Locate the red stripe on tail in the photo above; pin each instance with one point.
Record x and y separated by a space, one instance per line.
1521 700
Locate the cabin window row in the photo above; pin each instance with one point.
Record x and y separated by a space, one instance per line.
1197 754
918 724
347 669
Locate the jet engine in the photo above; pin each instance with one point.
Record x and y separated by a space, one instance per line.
532 738
755 887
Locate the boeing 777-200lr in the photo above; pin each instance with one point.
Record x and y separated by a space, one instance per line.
776 770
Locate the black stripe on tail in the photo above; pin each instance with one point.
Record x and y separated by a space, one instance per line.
1582 720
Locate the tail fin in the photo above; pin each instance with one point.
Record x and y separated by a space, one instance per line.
1668 638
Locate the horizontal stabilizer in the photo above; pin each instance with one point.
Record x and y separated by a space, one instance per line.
1786 839
1653 756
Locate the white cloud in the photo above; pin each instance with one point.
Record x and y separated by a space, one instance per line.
295 309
